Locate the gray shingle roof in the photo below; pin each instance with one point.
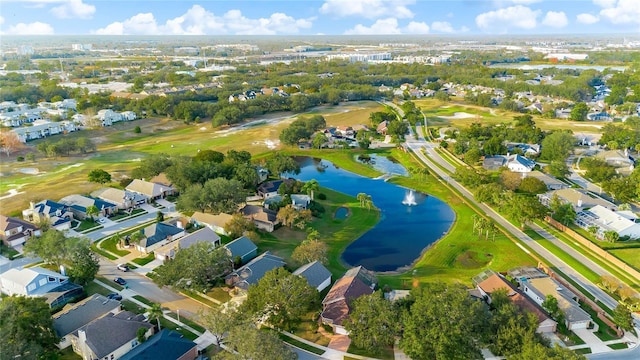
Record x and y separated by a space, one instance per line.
83 313
158 232
314 272
167 345
108 333
253 271
240 246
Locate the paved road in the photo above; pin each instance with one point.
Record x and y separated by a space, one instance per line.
148 289
6 264
598 293
120 226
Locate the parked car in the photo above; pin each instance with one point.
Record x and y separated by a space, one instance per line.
114 296
102 220
123 267
120 281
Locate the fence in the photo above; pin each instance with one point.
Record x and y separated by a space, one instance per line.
595 248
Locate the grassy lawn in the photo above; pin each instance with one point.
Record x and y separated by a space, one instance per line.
7 252
111 244
630 256
93 288
87 224
144 260
385 354
219 294
604 333
583 351
143 300
97 250
122 214
300 344
187 322
194 295
308 330
337 233
166 324
68 354
618 346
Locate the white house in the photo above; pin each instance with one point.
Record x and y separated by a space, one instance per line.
520 164
108 117
625 223
538 289
44 129
128 115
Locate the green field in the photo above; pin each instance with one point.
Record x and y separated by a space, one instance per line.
631 256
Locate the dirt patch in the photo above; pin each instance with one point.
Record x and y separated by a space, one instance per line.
29 171
472 260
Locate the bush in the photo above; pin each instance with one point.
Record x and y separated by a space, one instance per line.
316 209
137 130
322 196
444 144
124 182
20 158
31 156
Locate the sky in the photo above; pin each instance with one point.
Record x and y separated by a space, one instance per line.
317 17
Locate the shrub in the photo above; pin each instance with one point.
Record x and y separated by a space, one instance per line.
322 196
316 209
137 130
31 156
20 158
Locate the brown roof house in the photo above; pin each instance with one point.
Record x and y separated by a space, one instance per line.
336 306
213 222
14 232
488 282
263 218
150 190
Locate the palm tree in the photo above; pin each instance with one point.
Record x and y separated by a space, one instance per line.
362 197
310 187
155 312
91 211
368 202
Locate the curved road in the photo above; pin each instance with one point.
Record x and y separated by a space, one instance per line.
421 143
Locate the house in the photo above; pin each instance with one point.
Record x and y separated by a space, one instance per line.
316 275
551 182
166 345
520 164
269 188
300 201
242 248
78 205
108 117
157 235
264 219
150 190
336 306
537 289
169 250
617 158
42 129
263 174
382 128
73 318
123 199
128 115
624 223
14 231
489 281
214 222
563 113
39 282
253 271
493 163
527 149
578 198
109 337
57 215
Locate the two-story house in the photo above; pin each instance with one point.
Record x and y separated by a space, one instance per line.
14 232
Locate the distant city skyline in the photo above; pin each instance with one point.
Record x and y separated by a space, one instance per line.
313 17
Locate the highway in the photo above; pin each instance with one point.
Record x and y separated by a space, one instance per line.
416 145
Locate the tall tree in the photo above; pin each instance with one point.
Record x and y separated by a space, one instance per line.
450 320
84 265
156 313
250 343
219 321
557 146
238 225
373 323
310 187
99 176
622 317
579 112
9 142
310 250
280 163
280 298
26 328
92 211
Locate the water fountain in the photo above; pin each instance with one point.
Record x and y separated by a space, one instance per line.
409 199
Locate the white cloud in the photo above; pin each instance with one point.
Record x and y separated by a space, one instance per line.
73 9
442 26
557 19
587 19
389 26
620 12
511 17
415 27
370 9
1 20
199 21
34 28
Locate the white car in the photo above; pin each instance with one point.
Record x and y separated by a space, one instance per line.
122 267
102 220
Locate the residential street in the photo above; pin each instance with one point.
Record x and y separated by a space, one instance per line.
598 293
114 227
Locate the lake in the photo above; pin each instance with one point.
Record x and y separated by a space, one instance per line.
402 233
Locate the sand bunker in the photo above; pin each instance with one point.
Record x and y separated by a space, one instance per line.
459 115
29 171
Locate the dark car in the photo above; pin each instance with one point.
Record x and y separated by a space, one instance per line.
120 281
114 296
